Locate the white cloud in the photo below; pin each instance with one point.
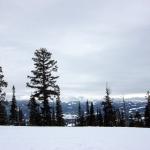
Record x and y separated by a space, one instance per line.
93 41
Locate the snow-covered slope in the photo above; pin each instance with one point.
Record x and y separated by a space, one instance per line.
84 138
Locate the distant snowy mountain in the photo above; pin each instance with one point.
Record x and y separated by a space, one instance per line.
70 106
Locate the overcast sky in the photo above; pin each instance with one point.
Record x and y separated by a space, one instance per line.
94 42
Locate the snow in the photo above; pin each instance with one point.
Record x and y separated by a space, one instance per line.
73 138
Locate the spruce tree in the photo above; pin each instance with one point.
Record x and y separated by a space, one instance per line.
59 113
80 118
79 115
92 121
87 108
109 114
13 109
34 114
147 111
44 81
87 113
3 113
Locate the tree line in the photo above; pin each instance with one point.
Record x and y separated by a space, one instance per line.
106 114
45 107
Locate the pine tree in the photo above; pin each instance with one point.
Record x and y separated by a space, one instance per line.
87 108
87 113
79 115
92 121
34 114
80 118
147 111
59 113
109 114
44 81
3 113
13 110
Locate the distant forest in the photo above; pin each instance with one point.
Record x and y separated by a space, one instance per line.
45 108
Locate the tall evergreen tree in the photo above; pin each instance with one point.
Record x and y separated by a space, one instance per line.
109 114
13 109
147 111
34 113
87 113
44 81
3 113
59 113
79 115
87 108
80 118
92 121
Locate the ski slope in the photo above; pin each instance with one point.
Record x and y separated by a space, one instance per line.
72 138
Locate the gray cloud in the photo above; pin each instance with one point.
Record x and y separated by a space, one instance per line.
93 41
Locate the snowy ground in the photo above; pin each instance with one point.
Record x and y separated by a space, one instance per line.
88 138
